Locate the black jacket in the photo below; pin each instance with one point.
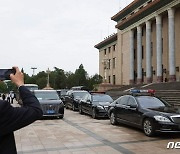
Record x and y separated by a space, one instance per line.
14 118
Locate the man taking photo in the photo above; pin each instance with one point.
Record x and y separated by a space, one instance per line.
14 118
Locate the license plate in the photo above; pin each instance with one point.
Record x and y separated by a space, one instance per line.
50 111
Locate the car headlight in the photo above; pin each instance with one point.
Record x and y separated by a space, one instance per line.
162 119
100 107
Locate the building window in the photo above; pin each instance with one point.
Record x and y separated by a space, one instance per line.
109 49
114 47
134 53
104 51
151 27
114 62
142 52
109 79
114 79
135 35
142 31
109 64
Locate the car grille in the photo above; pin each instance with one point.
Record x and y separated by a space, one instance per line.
106 108
50 107
176 119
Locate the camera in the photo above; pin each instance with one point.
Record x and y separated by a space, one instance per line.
5 73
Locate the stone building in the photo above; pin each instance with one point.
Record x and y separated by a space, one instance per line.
146 47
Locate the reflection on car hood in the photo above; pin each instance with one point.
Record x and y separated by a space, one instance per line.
166 110
102 103
50 101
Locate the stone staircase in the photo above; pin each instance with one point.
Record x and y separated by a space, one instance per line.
170 92
171 96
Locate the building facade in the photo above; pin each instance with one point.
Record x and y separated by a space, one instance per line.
147 44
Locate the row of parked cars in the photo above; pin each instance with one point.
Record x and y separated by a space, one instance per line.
139 108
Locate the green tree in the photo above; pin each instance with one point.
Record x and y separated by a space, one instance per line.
81 76
94 81
3 87
59 79
70 81
40 79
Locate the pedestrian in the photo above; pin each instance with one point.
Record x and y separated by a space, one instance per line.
3 96
14 118
8 98
12 97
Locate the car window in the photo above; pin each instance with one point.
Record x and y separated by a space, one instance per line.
48 95
86 97
79 95
89 97
123 100
150 102
132 102
101 98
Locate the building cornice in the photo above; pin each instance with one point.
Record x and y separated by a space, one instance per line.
173 4
128 9
145 11
107 41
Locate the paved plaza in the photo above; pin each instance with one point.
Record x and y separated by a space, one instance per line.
80 134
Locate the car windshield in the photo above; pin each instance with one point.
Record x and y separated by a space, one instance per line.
63 92
32 87
79 95
101 98
150 102
48 95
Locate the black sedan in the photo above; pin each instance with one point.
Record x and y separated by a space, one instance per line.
51 104
95 105
73 97
146 112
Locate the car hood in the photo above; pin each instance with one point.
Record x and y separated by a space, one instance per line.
102 103
50 101
166 110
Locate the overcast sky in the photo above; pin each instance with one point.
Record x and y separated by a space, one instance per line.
55 33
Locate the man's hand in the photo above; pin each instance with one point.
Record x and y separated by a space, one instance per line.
17 78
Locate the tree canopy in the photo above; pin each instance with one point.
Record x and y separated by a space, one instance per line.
58 79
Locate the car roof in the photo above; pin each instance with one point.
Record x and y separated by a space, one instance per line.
74 91
44 90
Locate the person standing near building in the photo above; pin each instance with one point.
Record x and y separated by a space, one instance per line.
8 97
3 96
12 97
14 118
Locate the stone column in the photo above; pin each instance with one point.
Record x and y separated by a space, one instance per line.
148 52
159 47
139 54
131 78
171 30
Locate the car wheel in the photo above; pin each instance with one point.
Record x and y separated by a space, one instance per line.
148 127
113 119
94 116
80 109
66 106
73 107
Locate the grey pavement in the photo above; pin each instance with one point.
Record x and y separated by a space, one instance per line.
80 134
